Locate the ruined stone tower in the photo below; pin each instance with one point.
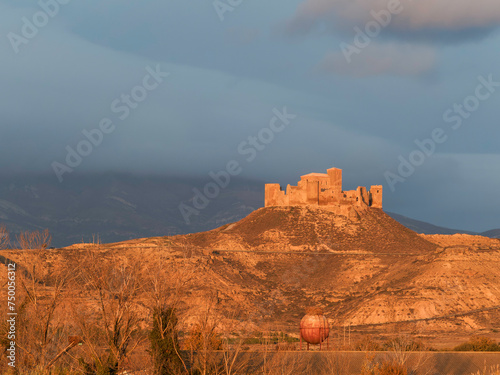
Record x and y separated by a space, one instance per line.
323 189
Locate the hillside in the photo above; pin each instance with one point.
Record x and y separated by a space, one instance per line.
364 271
367 272
313 229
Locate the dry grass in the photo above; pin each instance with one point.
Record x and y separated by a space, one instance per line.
493 370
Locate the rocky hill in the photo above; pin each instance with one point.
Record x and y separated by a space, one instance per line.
367 272
303 228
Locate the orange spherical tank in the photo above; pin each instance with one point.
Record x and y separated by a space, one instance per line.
314 329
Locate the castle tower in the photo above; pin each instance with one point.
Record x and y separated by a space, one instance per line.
376 196
274 196
335 175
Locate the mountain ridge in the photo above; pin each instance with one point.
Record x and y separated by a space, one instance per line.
118 206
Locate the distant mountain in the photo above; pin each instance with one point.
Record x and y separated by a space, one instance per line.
423 227
426 228
494 233
117 207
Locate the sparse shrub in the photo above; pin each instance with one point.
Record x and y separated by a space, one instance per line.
403 344
278 337
390 368
253 341
367 344
274 338
384 368
478 344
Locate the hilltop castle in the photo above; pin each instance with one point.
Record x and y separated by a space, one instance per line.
323 189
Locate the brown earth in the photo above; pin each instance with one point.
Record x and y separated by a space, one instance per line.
300 228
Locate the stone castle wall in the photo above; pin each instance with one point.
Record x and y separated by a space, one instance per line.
322 189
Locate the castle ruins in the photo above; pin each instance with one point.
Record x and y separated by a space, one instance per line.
324 190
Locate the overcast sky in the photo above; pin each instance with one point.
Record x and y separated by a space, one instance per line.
365 80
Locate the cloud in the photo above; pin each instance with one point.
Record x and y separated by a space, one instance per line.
192 124
450 189
375 60
424 19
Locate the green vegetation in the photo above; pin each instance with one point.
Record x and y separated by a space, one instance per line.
164 342
478 344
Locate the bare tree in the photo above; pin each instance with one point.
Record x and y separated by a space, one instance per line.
233 359
168 280
36 240
166 283
107 311
4 237
204 340
42 285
